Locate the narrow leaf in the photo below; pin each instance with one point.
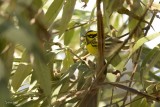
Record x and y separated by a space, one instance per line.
67 62
67 14
68 37
21 73
154 76
154 60
143 40
43 75
53 11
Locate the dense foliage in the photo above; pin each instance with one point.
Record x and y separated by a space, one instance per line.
44 62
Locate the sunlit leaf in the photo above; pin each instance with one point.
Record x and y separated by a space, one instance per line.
53 11
20 74
67 14
143 40
67 62
68 35
31 104
32 33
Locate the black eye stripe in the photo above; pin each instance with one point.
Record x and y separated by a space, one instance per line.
92 35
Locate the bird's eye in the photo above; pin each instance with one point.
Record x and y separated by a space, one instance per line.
92 35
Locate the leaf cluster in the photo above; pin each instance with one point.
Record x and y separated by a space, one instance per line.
44 62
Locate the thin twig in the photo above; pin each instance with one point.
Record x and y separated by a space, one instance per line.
115 84
79 25
112 96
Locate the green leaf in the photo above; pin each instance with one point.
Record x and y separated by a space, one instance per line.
68 10
2 69
68 35
67 85
117 59
64 88
113 5
71 70
53 11
37 4
3 43
121 65
149 56
85 75
143 40
153 61
43 75
154 76
20 36
25 56
7 57
67 62
142 102
21 73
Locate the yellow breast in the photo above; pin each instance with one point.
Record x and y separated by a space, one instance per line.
92 50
